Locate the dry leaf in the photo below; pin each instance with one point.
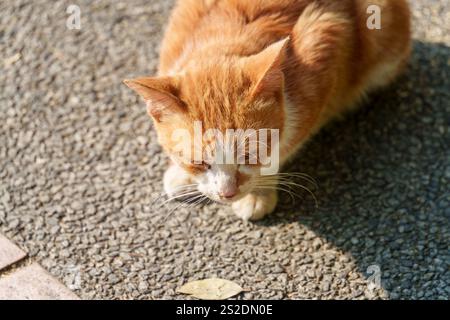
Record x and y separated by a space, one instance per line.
211 289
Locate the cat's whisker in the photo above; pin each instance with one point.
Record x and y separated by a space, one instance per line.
200 200
199 197
163 194
178 206
290 184
287 176
299 175
182 195
275 183
187 186
268 184
275 187
290 174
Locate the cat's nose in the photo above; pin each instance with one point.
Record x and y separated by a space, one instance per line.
228 193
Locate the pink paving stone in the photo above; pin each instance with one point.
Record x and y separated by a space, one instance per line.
33 283
9 253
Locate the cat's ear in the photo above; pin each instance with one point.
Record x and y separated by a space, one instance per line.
266 68
160 95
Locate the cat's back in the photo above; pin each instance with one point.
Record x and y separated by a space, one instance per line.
194 22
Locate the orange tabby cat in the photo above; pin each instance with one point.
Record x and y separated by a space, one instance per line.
290 65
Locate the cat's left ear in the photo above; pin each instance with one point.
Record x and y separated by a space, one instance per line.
266 68
160 94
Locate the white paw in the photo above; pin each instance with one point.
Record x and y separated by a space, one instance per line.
255 206
175 179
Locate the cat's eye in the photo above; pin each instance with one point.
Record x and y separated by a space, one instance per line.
207 166
201 166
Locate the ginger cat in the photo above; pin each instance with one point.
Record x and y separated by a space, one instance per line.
290 65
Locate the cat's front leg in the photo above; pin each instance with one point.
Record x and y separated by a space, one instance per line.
175 180
256 205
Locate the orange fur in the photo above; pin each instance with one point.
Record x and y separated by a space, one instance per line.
290 65
329 58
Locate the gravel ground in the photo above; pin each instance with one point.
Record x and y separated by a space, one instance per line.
81 172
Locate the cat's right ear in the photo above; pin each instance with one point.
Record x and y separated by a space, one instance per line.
266 68
159 94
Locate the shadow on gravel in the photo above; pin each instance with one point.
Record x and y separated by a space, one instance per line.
384 176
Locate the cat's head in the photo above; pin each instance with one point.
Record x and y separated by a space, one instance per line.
213 95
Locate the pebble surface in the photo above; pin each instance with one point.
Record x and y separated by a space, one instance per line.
81 172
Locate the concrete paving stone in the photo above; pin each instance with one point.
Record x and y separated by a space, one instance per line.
9 252
33 283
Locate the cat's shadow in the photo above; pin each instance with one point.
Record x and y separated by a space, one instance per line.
383 175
